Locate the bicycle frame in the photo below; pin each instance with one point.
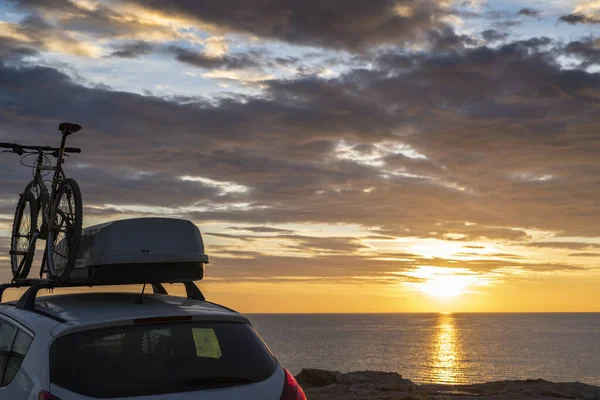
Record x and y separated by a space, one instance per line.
45 198
38 180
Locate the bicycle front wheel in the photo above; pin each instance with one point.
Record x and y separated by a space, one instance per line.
22 244
64 234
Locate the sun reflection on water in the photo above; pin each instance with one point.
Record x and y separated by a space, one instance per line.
447 352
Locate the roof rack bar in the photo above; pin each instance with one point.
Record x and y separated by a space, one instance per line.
193 292
27 300
158 288
20 283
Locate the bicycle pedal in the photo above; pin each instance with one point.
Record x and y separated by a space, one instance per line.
17 253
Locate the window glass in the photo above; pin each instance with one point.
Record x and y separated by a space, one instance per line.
22 343
3 361
14 344
146 359
156 341
7 335
12 367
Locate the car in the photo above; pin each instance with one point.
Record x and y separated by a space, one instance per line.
125 346
99 344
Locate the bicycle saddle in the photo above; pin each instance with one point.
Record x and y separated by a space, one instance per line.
68 127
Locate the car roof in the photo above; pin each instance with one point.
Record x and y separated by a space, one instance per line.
83 311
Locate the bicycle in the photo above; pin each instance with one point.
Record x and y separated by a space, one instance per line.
60 207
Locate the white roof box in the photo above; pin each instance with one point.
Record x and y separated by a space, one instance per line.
140 250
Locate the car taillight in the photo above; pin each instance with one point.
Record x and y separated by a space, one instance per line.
291 389
43 395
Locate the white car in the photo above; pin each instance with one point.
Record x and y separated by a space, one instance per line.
126 346
131 346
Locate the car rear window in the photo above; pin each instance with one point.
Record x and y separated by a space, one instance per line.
147 359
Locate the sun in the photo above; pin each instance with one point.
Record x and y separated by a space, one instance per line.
445 286
444 282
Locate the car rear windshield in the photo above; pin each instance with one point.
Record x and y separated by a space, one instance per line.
146 359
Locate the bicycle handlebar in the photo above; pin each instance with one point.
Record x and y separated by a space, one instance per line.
17 148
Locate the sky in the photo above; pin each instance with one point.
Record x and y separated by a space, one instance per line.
337 155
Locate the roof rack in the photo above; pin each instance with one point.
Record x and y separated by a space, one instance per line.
27 300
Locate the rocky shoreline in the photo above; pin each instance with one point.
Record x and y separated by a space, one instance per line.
373 385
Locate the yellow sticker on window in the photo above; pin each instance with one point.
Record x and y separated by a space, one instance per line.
207 344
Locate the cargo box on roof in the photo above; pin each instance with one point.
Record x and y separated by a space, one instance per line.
140 250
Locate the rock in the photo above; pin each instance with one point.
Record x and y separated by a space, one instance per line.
317 377
374 385
371 377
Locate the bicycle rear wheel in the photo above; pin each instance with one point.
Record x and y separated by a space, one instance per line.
22 244
64 234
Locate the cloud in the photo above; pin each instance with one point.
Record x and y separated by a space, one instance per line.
86 28
308 245
362 269
101 20
13 49
529 12
585 12
324 268
493 35
351 25
132 49
507 24
467 232
212 56
324 244
90 29
579 18
215 46
260 229
497 19
436 145
447 40
34 32
202 60
564 245
244 77
586 50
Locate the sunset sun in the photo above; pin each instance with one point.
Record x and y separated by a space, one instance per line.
444 282
445 286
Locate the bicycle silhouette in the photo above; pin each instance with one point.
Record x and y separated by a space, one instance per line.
60 207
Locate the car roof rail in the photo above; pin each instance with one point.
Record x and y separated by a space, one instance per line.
28 298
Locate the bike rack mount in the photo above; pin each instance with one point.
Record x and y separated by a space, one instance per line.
27 300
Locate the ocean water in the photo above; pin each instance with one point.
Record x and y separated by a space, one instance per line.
440 348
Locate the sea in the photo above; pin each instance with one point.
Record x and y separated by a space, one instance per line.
440 348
